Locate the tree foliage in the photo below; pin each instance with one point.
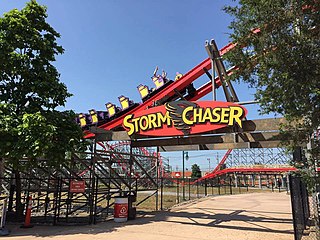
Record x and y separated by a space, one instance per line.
278 53
30 90
196 172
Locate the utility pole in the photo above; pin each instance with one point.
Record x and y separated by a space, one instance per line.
209 163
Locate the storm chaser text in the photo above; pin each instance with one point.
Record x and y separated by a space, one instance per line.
190 116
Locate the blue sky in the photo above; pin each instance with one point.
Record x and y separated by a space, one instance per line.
112 46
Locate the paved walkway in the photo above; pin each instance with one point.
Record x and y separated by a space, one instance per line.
261 216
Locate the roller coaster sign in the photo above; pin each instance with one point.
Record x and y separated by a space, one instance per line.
184 118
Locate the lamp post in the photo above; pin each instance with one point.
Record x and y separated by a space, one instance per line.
187 157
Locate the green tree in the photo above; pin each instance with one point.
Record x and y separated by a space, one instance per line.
30 92
278 53
196 172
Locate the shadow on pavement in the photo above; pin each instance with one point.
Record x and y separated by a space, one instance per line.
195 218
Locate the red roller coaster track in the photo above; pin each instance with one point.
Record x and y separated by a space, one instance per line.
181 84
169 91
245 170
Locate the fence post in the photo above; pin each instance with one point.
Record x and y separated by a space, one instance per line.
189 187
211 182
161 194
272 185
205 187
136 184
26 197
293 209
55 201
177 191
11 193
197 189
246 182
3 230
96 201
47 200
68 201
59 197
316 211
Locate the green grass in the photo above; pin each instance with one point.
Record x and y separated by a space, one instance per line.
171 197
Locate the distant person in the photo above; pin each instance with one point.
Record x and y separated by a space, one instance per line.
279 182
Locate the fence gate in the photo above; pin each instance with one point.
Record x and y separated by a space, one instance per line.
305 208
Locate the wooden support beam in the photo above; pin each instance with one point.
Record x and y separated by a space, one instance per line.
260 133
201 140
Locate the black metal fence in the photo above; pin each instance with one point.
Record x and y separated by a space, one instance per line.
299 204
90 200
177 190
302 201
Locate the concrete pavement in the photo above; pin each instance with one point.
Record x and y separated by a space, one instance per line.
260 216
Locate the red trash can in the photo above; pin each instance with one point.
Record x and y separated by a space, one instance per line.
121 209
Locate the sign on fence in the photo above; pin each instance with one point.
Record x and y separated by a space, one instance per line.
77 186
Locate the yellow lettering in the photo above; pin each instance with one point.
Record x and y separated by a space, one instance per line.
135 121
207 116
128 124
228 115
197 115
163 119
224 115
152 121
215 112
235 115
184 115
143 123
